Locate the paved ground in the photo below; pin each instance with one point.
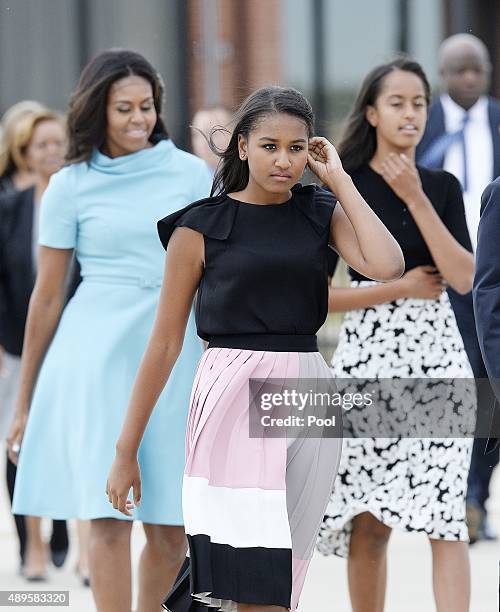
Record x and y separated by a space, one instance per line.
325 590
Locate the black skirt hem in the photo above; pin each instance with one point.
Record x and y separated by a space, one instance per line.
253 575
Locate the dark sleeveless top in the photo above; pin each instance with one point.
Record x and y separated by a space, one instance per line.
265 282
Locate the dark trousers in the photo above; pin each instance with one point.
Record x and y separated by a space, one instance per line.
485 453
481 468
59 539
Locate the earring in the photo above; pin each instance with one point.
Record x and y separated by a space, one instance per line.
243 156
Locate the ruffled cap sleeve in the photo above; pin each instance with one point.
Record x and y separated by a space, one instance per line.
316 204
212 217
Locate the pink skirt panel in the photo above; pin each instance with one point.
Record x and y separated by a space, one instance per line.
218 426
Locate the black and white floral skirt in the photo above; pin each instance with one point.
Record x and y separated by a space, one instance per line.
411 483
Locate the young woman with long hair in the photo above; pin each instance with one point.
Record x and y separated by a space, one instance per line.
256 253
403 329
77 369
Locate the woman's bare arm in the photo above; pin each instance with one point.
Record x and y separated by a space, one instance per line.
44 313
45 308
422 282
183 272
356 232
455 263
343 299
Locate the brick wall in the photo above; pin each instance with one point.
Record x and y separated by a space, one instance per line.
246 52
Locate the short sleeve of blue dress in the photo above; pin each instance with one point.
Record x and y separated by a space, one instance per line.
58 216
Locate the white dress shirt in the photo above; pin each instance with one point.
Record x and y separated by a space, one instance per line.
479 147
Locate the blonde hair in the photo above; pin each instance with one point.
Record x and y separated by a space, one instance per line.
24 133
10 122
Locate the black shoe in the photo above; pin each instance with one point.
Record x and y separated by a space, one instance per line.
59 542
59 556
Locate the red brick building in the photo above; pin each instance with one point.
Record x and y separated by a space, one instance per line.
234 47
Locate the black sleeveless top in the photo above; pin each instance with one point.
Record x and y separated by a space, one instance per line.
265 282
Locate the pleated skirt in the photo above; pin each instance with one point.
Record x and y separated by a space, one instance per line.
252 505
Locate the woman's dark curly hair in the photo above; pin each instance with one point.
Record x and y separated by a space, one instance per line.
87 107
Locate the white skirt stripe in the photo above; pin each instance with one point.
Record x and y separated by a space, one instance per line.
242 518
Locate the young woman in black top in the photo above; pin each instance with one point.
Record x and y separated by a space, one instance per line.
402 329
257 255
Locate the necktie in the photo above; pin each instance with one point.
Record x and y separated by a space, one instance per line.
465 181
432 158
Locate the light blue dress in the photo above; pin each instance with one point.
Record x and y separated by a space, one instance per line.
107 210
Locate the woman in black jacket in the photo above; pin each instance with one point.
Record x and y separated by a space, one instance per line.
34 143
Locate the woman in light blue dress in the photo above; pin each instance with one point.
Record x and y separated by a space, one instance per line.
78 368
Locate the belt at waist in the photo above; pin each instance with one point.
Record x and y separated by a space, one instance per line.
133 281
298 343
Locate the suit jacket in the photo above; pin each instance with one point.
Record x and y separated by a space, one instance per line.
486 292
435 128
17 269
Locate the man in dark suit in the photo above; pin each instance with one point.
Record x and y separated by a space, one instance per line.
486 292
463 136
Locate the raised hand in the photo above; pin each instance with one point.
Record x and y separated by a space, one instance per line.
323 158
401 174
